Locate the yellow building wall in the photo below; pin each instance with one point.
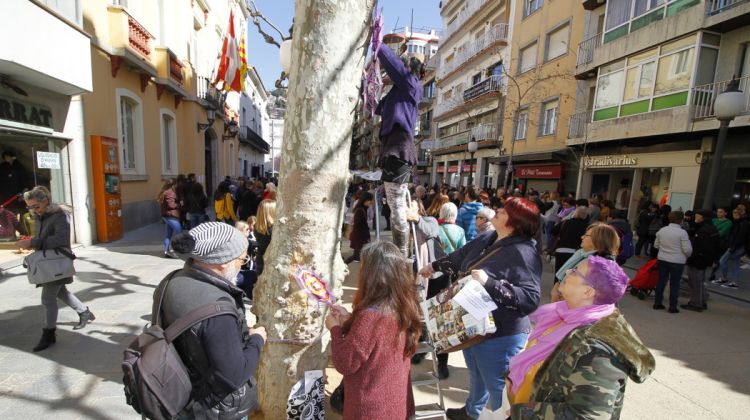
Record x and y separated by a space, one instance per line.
554 78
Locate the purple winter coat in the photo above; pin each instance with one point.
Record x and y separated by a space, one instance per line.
400 105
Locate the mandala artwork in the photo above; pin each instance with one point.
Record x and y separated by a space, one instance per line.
314 285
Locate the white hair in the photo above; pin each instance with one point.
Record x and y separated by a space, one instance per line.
449 212
486 212
271 187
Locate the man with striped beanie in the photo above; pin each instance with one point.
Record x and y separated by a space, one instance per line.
221 353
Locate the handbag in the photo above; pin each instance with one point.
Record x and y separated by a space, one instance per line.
48 265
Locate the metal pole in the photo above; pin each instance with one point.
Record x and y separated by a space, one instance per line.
471 170
708 199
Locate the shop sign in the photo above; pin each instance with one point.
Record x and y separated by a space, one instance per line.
22 112
539 172
47 160
609 161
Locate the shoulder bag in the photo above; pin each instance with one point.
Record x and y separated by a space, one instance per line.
48 265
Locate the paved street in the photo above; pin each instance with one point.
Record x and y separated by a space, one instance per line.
702 359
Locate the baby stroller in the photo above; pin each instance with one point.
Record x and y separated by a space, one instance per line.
645 280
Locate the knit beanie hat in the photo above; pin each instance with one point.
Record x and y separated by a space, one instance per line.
212 243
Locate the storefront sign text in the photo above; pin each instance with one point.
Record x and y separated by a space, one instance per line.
609 160
25 113
47 160
539 172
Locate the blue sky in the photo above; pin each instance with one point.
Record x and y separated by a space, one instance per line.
265 57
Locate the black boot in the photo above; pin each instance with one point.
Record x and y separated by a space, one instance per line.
48 339
442 366
83 318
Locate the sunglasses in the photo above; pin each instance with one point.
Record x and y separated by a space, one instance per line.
34 207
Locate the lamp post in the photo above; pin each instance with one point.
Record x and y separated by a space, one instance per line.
210 116
472 147
728 105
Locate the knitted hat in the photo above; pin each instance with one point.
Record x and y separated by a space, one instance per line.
212 243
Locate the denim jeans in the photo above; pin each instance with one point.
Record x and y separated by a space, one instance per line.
488 363
194 219
173 227
730 264
53 291
672 273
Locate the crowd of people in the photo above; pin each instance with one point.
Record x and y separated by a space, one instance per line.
248 205
501 239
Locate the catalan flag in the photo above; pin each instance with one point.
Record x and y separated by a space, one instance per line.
243 61
229 65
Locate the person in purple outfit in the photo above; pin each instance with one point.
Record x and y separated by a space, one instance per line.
398 111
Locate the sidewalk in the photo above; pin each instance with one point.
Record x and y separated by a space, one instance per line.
702 358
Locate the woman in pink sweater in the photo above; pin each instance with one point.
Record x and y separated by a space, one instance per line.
372 346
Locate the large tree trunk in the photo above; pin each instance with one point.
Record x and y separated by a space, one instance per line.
328 54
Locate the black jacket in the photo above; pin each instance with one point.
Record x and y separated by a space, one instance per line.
706 243
570 232
196 204
220 355
263 242
644 220
738 236
248 204
515 273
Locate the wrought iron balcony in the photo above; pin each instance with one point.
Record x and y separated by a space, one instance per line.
578 124
210 94
489 85
704 97
586 49
251 138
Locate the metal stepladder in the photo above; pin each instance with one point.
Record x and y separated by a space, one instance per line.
436 410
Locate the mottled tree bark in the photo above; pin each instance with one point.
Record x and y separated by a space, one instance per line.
328 53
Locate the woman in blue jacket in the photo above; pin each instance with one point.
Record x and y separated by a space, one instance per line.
507 264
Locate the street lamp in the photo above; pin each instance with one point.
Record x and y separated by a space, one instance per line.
472 146
210 115
728 105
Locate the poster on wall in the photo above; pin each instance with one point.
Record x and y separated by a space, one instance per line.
47 160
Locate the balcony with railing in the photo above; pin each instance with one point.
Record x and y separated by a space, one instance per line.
489 85
714 7
447 107
129 41
426 101
480 132
471 9
209 94
705 95
586 50
578 123
496 35
249 137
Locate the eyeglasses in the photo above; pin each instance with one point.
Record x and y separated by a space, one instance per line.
246 259
34 207
573 271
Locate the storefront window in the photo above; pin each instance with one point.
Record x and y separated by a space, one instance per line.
655 186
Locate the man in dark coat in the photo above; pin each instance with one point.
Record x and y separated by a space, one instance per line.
12 180
706 243
221 353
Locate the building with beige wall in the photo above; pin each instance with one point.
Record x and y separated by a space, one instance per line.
541 93
152 63
648 78
470 91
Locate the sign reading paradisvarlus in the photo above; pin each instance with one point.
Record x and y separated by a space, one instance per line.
609 160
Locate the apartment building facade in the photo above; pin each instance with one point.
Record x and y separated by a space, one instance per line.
153 64
470 91
253 122
541 93
648 75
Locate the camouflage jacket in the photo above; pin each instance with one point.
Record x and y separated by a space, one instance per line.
585 376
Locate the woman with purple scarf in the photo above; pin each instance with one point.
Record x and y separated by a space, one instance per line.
581 350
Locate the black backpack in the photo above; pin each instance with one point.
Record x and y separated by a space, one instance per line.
157 383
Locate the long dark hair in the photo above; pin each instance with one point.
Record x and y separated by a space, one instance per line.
363 199
386 282
221 190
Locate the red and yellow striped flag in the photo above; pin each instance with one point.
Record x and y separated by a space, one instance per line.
243 60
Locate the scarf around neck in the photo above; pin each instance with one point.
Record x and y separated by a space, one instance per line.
544 318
